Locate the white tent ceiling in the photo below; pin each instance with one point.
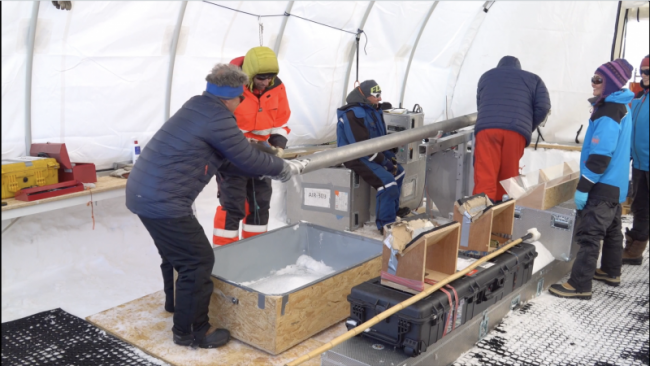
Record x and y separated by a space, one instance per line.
100 71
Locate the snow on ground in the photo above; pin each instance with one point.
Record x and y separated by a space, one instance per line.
55 259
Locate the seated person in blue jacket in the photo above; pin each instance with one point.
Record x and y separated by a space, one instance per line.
362 119
603 184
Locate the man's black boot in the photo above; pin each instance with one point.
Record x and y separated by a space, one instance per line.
184 340
215 339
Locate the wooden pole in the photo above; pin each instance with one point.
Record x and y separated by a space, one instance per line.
557 147
379 317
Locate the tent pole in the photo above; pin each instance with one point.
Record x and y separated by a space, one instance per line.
415 46
352 53
172 59
31 37
278 41
469 40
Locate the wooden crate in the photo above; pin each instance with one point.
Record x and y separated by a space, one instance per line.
496 219
430 258
277 323
555 185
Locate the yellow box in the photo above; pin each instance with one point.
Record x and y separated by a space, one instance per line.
27 171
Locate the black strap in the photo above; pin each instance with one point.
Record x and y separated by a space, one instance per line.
539 135
578 134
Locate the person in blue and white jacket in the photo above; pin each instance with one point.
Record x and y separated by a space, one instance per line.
636 240
603 185
362 119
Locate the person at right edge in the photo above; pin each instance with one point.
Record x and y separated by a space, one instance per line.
636 240
511 104
363 119
603 184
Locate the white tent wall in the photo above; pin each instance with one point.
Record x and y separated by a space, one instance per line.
435 58
391 29
99 76
562 42
313 64
15 22
100 71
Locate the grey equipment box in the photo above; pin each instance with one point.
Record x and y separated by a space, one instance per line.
336 198
450 171
557 226
401 122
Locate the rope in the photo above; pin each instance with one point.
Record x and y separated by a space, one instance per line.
92 208
280 15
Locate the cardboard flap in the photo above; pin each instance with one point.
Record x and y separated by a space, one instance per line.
473 207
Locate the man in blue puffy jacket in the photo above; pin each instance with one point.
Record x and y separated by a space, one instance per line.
362 119
174 167
637 238
511 103
604 170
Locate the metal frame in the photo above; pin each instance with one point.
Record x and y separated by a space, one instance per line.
172 59
353 52
46 206
278 41
31 37
415 46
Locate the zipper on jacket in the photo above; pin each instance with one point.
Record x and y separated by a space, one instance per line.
634 123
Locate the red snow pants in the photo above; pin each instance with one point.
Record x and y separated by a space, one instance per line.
496 157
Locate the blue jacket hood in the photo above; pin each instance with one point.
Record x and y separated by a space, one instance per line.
623 96
510 61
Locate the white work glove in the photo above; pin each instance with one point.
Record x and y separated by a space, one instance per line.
291 168
279 152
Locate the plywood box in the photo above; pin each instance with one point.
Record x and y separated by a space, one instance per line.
495 224
426 258
276 322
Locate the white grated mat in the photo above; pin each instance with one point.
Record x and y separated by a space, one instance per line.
610 329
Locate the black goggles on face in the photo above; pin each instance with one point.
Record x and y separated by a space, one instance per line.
264 77
645 72
596 79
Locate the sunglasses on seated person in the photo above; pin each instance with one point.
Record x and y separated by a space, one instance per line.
376 95
596 79
645 72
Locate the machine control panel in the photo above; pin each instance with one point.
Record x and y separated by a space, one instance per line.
398 122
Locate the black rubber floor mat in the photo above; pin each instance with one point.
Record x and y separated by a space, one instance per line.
611 329
57 338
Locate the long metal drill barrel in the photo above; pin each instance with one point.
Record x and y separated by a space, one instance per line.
366 148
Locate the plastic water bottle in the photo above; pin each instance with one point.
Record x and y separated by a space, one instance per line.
135 150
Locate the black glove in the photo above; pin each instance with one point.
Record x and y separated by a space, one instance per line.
385 106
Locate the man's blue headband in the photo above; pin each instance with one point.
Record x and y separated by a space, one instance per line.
225 92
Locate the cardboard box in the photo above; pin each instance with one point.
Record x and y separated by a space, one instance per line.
415 257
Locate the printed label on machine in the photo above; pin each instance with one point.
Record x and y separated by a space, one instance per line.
408 188
341 201
317 197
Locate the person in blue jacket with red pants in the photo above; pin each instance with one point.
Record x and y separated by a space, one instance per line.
362 119
603 184
637 238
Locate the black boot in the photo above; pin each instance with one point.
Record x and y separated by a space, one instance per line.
403 212
215 339
184 340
